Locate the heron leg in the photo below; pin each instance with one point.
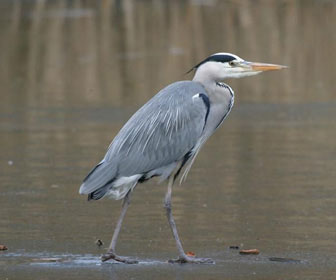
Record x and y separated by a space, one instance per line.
183 258
111 250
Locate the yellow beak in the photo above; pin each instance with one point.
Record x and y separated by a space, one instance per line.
256 66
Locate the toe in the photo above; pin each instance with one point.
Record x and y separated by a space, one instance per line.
206 260
112 256
107 256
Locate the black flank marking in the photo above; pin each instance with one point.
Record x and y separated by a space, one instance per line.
144 178
185 159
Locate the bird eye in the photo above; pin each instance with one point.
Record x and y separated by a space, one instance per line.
232 63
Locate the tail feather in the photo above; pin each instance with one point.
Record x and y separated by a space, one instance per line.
103 180
99 179
98 194
116 189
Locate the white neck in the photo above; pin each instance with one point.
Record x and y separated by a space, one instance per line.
206 74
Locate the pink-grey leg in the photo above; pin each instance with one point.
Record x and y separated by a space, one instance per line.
111 250
183 258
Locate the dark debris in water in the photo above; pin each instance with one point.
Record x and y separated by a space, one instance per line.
99 243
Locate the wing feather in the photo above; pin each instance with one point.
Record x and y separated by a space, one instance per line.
161 132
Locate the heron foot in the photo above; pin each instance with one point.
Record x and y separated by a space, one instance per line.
122 259
187 259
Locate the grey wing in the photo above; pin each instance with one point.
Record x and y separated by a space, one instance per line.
160 133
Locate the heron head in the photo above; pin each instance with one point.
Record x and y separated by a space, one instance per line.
220 66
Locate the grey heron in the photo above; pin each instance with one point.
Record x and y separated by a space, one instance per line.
165 135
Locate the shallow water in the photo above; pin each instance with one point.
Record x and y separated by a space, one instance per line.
72 72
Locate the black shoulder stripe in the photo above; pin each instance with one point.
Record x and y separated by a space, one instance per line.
206 102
